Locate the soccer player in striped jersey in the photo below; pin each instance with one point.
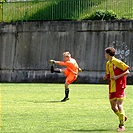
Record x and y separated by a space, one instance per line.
71 71
116 72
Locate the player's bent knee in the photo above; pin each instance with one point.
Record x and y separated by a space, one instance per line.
113 108
120 107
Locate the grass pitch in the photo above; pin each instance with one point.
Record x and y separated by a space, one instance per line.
36 108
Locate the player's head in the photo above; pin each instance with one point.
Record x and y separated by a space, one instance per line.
109 52
66 56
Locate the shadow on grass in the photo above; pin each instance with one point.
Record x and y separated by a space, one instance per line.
62 9
44 101
92 130
52 101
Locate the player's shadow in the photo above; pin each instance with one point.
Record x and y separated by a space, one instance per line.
45 101
92 130
52 101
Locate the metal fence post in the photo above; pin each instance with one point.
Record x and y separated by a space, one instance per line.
52 11
106 9
1 11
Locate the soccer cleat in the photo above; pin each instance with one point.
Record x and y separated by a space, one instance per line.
65 99
123 121
121 129
52 69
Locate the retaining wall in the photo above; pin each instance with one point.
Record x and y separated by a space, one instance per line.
27 47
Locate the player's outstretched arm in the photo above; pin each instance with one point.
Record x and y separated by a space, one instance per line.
52 61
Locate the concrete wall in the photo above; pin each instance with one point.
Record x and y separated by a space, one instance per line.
27 47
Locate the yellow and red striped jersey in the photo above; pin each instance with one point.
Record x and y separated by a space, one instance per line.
116 67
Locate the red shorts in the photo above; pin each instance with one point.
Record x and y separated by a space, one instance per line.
70 77
117 95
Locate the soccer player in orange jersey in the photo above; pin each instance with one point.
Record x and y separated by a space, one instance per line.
71 71
116 72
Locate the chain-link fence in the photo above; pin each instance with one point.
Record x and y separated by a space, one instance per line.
27 10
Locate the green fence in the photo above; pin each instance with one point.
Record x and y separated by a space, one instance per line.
62 9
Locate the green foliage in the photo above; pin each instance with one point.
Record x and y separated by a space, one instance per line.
102 15
36 108
3 1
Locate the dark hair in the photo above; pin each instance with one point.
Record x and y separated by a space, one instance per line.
110 51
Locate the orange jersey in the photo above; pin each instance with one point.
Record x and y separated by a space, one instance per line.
71 65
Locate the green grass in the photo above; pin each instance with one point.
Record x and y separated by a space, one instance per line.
63 9
36 108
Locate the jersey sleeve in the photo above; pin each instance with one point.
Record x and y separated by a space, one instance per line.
61 63
107 70
121 65
71 65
